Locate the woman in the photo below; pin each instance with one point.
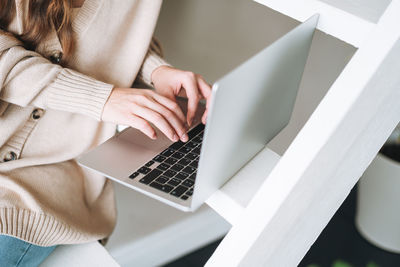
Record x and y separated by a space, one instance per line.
66 68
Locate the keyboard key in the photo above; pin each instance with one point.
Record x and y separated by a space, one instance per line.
163 166
174 182
190 145
151 176
170 173
194 164
182 176
196 130
177 167
167 152
162 179
189 169
177 145
185 149
159 158
188 183
144 170
148 164
196 151
177 192
197 139
184 197
133 175
189 192
178 155
184 161
163 187
191 156
171 161
193 176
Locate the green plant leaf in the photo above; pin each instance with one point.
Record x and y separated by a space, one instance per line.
372 264
341 263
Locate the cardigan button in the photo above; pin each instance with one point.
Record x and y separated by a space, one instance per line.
37 113
10 156
56 57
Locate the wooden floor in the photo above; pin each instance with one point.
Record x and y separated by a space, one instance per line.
339 245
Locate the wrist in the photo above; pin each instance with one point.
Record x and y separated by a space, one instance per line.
157 71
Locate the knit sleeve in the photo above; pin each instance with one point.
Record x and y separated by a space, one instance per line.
27 78
152 61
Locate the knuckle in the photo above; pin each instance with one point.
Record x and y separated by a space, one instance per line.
148 92
141 97
133 105
190 75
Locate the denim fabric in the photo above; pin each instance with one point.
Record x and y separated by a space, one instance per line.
15 252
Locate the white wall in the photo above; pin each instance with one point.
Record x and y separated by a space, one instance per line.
370 10
211 37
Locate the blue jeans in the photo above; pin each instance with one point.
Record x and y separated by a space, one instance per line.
15 252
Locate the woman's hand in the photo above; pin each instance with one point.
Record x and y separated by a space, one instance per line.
169 81
138 107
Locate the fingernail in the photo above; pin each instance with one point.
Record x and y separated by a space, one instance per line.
184 138
175 138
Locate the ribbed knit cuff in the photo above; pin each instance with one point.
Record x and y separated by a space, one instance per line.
151 62
39 229
75 92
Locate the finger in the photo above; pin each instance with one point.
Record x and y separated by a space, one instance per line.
192 93
204 117
170 104
205 90
142 125
170 116
204 87
157 119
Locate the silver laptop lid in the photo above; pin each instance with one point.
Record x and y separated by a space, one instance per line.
250 105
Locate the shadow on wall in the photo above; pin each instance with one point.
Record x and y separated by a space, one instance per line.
213 36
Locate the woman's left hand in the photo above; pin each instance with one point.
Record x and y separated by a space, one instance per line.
169 81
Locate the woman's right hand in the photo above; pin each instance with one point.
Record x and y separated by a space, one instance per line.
138 107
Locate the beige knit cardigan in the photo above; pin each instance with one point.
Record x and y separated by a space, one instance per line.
49 115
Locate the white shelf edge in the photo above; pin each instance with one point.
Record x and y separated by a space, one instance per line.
232 199
333 21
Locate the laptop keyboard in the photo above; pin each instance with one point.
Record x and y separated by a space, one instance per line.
173 171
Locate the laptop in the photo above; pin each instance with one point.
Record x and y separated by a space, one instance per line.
250 105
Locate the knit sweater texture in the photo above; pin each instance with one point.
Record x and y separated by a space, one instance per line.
49 115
